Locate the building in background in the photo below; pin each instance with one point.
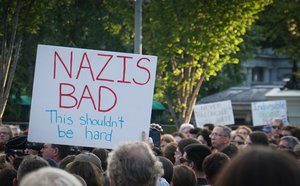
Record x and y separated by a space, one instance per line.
269 77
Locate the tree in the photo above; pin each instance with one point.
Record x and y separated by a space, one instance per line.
11 41
20 20
194 40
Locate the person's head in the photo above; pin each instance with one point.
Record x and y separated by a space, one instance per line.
64 162
50 176
257 138
134 164
194 132
89 157
243 130
277 125
260 166
193 156
55 152
185 129
290 130
169 151
178 136
29 164
220 137
7 175
287 143
209 126
203 137
230 150
184 176
91 174
102 155
238 139
166 139
5 133
213 164
179 150
168 168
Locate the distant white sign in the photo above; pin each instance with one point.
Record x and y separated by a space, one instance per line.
217 113
264 112
89 97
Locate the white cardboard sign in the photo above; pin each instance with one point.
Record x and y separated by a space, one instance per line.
217 113
265 111
89 97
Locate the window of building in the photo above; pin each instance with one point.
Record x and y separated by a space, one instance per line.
258 74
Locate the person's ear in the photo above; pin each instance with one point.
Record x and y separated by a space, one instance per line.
111 182
15 182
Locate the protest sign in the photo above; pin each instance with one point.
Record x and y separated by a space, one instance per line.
89 97
217 113
265 111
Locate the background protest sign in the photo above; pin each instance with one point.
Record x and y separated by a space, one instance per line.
265 111
217 113
89 97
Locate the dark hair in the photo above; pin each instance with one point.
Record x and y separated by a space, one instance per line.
294 130
196 153
102 155
195 131
205 134
259 138
184 176
210 126
88 171
185 142
63 150
213 164
168 168
7 176
260 166
169 151
230 150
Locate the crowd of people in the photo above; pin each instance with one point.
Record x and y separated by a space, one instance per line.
211 155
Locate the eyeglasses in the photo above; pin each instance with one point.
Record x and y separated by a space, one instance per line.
275 127
183 160
282 147
215 134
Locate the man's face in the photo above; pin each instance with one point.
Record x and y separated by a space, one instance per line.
276 129
47 151
177 156
283 145
186 132
217 137
4 134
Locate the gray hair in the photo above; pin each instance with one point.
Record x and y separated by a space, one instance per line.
50 176
226 130
292 141
134 164
29 164
185 125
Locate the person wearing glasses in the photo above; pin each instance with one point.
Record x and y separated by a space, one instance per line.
220 138
277 125
287 143
5 135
